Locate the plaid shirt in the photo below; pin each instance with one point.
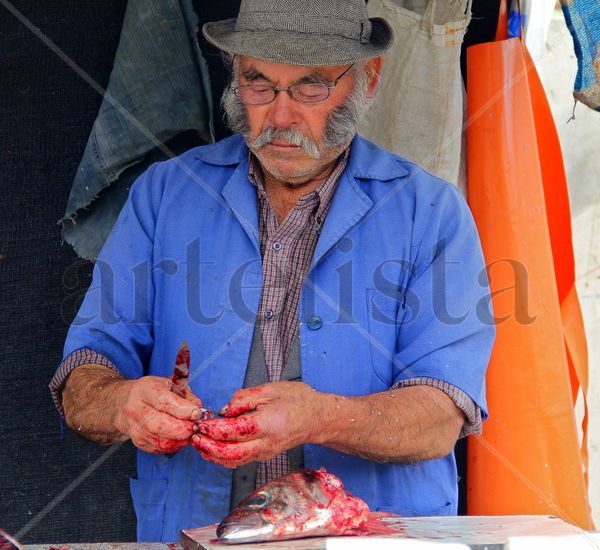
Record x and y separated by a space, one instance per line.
287 251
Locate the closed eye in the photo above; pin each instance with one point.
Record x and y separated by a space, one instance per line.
313 78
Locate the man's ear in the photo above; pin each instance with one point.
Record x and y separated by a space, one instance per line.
375 66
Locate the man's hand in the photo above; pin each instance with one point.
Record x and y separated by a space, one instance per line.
260 423
400 425
104 407
156 420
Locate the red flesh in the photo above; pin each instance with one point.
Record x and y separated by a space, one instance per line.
341 513
227 452
181 371
166 445
225 430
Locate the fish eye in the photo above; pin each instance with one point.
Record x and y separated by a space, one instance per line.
259 500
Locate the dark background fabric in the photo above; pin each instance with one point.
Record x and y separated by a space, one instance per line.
215 11
482 28
47 113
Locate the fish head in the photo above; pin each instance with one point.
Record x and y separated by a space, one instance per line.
288 506
248 520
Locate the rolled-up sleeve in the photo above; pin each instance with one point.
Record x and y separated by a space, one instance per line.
473 422
75 359
113 326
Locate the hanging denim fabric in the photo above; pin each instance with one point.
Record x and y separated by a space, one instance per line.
583 20
420 108
158 94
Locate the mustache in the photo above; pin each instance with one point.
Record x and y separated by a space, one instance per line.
289 135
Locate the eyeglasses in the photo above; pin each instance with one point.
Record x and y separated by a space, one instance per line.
261 94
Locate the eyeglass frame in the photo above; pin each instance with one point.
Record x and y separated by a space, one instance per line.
290 88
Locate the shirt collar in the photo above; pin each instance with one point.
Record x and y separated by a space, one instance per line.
320 196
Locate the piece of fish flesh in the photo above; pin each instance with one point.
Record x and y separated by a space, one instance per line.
180 379
305 503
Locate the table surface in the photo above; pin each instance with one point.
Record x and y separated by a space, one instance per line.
491 532
479 532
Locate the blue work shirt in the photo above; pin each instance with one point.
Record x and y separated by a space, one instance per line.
396 290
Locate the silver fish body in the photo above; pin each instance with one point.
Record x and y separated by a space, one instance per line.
306 503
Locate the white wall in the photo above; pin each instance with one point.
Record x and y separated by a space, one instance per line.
580 139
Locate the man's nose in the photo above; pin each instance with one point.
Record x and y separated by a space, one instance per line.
283 112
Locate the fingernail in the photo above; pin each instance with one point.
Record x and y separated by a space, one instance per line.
195 414
223 411
202 428
195 428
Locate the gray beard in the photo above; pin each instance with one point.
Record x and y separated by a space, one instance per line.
342 122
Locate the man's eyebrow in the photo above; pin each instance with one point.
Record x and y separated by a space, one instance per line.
313 78
252 74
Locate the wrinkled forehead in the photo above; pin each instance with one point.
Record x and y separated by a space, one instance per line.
253 68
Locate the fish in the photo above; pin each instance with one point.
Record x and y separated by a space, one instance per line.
304 503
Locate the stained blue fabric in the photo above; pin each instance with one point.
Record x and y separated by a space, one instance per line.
397 280
158 89
583 21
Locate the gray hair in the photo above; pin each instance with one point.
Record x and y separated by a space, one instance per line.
341 126
343 122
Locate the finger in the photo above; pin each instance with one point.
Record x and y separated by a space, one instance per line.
167 402
193 398
243 401
156 445
227 454
211 457
242 428
166 426
168 445
227 463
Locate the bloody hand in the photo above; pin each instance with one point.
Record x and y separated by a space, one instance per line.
259 423
156 420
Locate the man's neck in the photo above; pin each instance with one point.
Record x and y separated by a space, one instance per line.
283 196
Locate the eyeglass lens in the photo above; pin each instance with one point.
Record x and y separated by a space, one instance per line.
304 93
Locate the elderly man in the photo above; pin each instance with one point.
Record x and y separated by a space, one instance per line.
334 295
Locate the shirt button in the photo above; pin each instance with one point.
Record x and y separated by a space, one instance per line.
314 323
268 314
277 246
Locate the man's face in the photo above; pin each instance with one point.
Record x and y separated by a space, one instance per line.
274 130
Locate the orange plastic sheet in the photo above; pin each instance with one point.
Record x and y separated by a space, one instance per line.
529 459
502 26
556 199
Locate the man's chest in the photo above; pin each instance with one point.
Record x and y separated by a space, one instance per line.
209 278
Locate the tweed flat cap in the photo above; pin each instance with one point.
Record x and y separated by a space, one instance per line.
302 32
